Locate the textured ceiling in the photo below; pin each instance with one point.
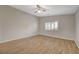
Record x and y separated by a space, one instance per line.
51 9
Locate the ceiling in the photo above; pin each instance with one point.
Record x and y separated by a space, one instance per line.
50 9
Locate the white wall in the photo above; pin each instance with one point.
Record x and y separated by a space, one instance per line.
77 27
17 24
66 28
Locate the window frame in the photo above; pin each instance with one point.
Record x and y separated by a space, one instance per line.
51 25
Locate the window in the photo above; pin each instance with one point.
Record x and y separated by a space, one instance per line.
51 25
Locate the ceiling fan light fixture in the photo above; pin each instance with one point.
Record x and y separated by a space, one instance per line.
39 9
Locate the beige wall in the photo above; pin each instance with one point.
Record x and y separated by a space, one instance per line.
17 24
1 20
66 26
0 29
77 27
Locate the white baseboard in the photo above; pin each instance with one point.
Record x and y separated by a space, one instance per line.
57 37
77 43
7 40
37 34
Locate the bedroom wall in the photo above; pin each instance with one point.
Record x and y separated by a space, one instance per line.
1 23
0 29
17 24
66 27
77 27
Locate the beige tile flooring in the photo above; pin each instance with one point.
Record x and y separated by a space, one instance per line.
39 45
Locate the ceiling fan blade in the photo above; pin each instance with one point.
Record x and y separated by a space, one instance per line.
35 11
38 6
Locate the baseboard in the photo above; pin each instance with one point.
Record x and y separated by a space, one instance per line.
57 37
34 35
77 43
16 38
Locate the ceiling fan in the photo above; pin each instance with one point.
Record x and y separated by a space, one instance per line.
40 9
